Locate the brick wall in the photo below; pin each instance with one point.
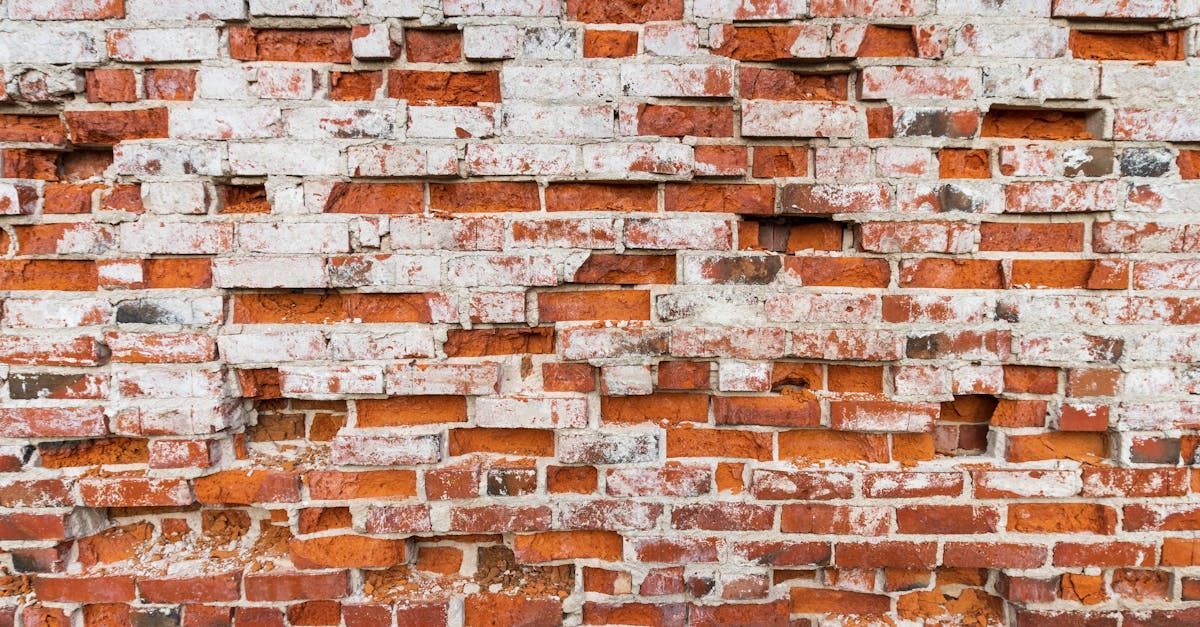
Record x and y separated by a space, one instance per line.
654 312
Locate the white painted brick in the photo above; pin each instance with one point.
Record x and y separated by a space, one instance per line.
285 157
122 273
637 159
1133 9
832 308
47 44
525 119
441 233
221 83
180 238
531 413
394 8
774 118
452 122
175 197
56 313
283 83
592 447
1030 483
416 379
750 9
550 43
156 10
1163 81
204 310
271 348
373 42
269 272
225 122
386 450
743 376
558 82
616 342
1028 160
974 379
515 8
521 159
181 417
164 44
1164 198
330 381
667 233
60 9
168 158
344 122
630 380
683 80
1031 8
568 233
160 382
497 307
417 342
706 307
293 237
671 40
402 160
496 270
491 41
1063 81
1011 40
881 82
386 270
319 8
921 381
905 161
1165 124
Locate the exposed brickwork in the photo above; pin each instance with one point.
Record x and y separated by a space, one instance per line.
649 312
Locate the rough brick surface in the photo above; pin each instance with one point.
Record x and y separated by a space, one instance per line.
633 312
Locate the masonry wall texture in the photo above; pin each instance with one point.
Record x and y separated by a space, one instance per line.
647 312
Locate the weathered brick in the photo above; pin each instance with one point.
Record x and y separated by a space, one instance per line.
287 340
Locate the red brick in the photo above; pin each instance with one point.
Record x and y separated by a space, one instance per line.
354 85
115 126
609 43
111 85
624 11
444 89
169 83
291 45
199 589
774 84
952 273
1126 45
346 551
1037 124
375 198
721 198
680 121
594 305
85 589
884 41
284 586
42 129
433 46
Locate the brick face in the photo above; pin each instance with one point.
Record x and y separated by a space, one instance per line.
650 312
